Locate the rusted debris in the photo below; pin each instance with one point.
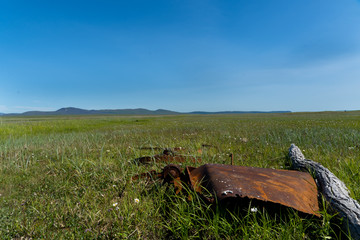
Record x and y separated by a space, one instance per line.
175 149
232 158
178 149
226 182
289 188
149 175
168 156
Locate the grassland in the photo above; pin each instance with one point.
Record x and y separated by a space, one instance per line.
68 177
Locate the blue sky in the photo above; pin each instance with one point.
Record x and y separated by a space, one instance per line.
180 55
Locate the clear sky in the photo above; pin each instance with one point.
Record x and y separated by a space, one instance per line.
181 55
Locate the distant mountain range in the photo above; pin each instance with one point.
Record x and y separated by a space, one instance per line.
137 111
236 112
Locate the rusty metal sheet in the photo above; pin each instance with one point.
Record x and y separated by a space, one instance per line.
289 188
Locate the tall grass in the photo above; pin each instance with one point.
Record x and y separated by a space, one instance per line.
69 177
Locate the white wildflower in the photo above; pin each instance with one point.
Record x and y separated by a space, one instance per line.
136 200
115 204
253 209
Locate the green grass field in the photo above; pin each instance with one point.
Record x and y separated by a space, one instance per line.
69 177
